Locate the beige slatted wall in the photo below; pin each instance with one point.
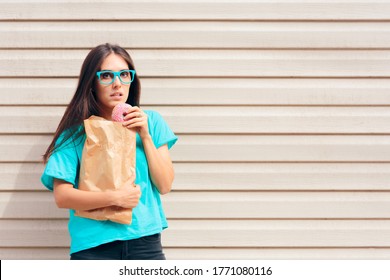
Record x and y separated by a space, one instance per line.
282 109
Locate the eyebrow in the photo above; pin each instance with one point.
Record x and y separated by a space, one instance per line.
113 70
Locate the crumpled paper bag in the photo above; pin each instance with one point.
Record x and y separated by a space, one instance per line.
108 161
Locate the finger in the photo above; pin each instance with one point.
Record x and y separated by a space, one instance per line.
135 122
136 110
132 109
138 188
131 115
131 123
132 178
136 125
134 115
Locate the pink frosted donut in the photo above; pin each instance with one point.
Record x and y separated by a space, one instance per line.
119 112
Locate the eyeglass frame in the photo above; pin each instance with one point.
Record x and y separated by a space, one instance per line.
116 74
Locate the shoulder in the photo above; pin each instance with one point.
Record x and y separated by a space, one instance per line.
71 138
63 163
154 117
153 114
69 144
159 129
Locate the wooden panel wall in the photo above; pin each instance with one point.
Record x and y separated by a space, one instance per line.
282 109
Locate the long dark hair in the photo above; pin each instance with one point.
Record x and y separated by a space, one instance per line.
84 102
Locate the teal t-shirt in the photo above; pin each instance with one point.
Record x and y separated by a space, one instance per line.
148 216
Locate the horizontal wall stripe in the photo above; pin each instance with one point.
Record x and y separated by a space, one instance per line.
208 63
191 10
224 91
220 233
186 253
221 35
272 253
219 205
238 176
61 253
209 148
278 233
315 120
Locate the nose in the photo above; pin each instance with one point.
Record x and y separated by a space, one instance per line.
116 82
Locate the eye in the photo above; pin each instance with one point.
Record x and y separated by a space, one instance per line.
107 75
124 74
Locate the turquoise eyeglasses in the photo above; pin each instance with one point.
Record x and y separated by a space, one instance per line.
107 77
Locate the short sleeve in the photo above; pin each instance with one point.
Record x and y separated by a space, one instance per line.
62 164
160 131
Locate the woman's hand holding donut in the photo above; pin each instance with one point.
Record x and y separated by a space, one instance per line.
136 119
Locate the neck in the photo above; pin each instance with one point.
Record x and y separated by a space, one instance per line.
104 113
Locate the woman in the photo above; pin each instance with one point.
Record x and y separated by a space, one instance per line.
103 83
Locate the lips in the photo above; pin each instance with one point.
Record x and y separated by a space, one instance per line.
116 94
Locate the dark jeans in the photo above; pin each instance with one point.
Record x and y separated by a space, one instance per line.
144 248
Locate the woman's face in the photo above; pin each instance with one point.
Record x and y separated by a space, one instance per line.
110 95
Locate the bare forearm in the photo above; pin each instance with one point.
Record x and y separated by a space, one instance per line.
159 161
68 197
160 165
71 198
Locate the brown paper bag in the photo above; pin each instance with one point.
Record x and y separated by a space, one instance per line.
108 161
